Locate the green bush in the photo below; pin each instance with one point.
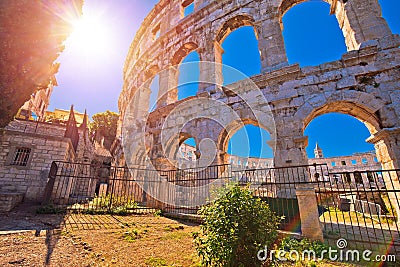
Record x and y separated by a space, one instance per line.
236 226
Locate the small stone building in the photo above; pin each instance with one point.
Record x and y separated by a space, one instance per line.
27 150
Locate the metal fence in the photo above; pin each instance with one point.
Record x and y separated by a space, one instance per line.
362 207
277 187
90 188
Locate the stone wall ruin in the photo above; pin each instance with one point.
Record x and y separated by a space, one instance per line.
364 83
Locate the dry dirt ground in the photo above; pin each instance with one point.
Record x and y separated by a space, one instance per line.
30 239
101 240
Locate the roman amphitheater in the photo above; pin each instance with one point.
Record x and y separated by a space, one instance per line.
282 99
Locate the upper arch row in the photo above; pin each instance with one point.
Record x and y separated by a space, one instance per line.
165 38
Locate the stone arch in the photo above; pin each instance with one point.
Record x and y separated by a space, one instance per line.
350 20
169 78
149 78
312 33
232 24
182 52
151 72
288 4
361 105
367 109
226 133
174 143
213 48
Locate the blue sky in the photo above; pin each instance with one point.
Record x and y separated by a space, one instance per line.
94 81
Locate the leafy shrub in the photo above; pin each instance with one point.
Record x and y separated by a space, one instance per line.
236 226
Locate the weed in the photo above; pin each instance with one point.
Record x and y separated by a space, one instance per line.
158 213
134 234
176 236
154 262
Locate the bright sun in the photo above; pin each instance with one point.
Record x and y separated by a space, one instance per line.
90 35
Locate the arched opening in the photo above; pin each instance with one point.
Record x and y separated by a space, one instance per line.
337 135
187 8
339 141
390 14
185 74
186 155
189 72
311 35
247 147
151 86
241 53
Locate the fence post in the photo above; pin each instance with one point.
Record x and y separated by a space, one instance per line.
50 184
310 225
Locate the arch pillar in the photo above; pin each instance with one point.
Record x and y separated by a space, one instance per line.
290 148
360 21
271 45
141 100
387 146
222 157
210 74
168 86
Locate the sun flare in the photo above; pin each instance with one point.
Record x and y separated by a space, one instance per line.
90 35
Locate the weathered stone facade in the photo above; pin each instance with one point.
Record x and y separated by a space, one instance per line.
38 144
364 83
38 103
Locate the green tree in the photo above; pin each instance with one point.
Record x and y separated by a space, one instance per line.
236 226
104 124
32 33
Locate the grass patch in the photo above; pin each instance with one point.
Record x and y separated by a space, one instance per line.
335 215
134 234
154 262
171 228
176 236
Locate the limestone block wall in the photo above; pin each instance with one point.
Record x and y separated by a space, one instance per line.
36 127
46 143
32 178
364 83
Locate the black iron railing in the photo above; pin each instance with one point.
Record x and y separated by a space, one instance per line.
362 207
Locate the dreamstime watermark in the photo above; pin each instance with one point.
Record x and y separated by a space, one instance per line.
340 254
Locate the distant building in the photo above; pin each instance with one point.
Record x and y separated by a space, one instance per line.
62 116
35 108
356 162
318 152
